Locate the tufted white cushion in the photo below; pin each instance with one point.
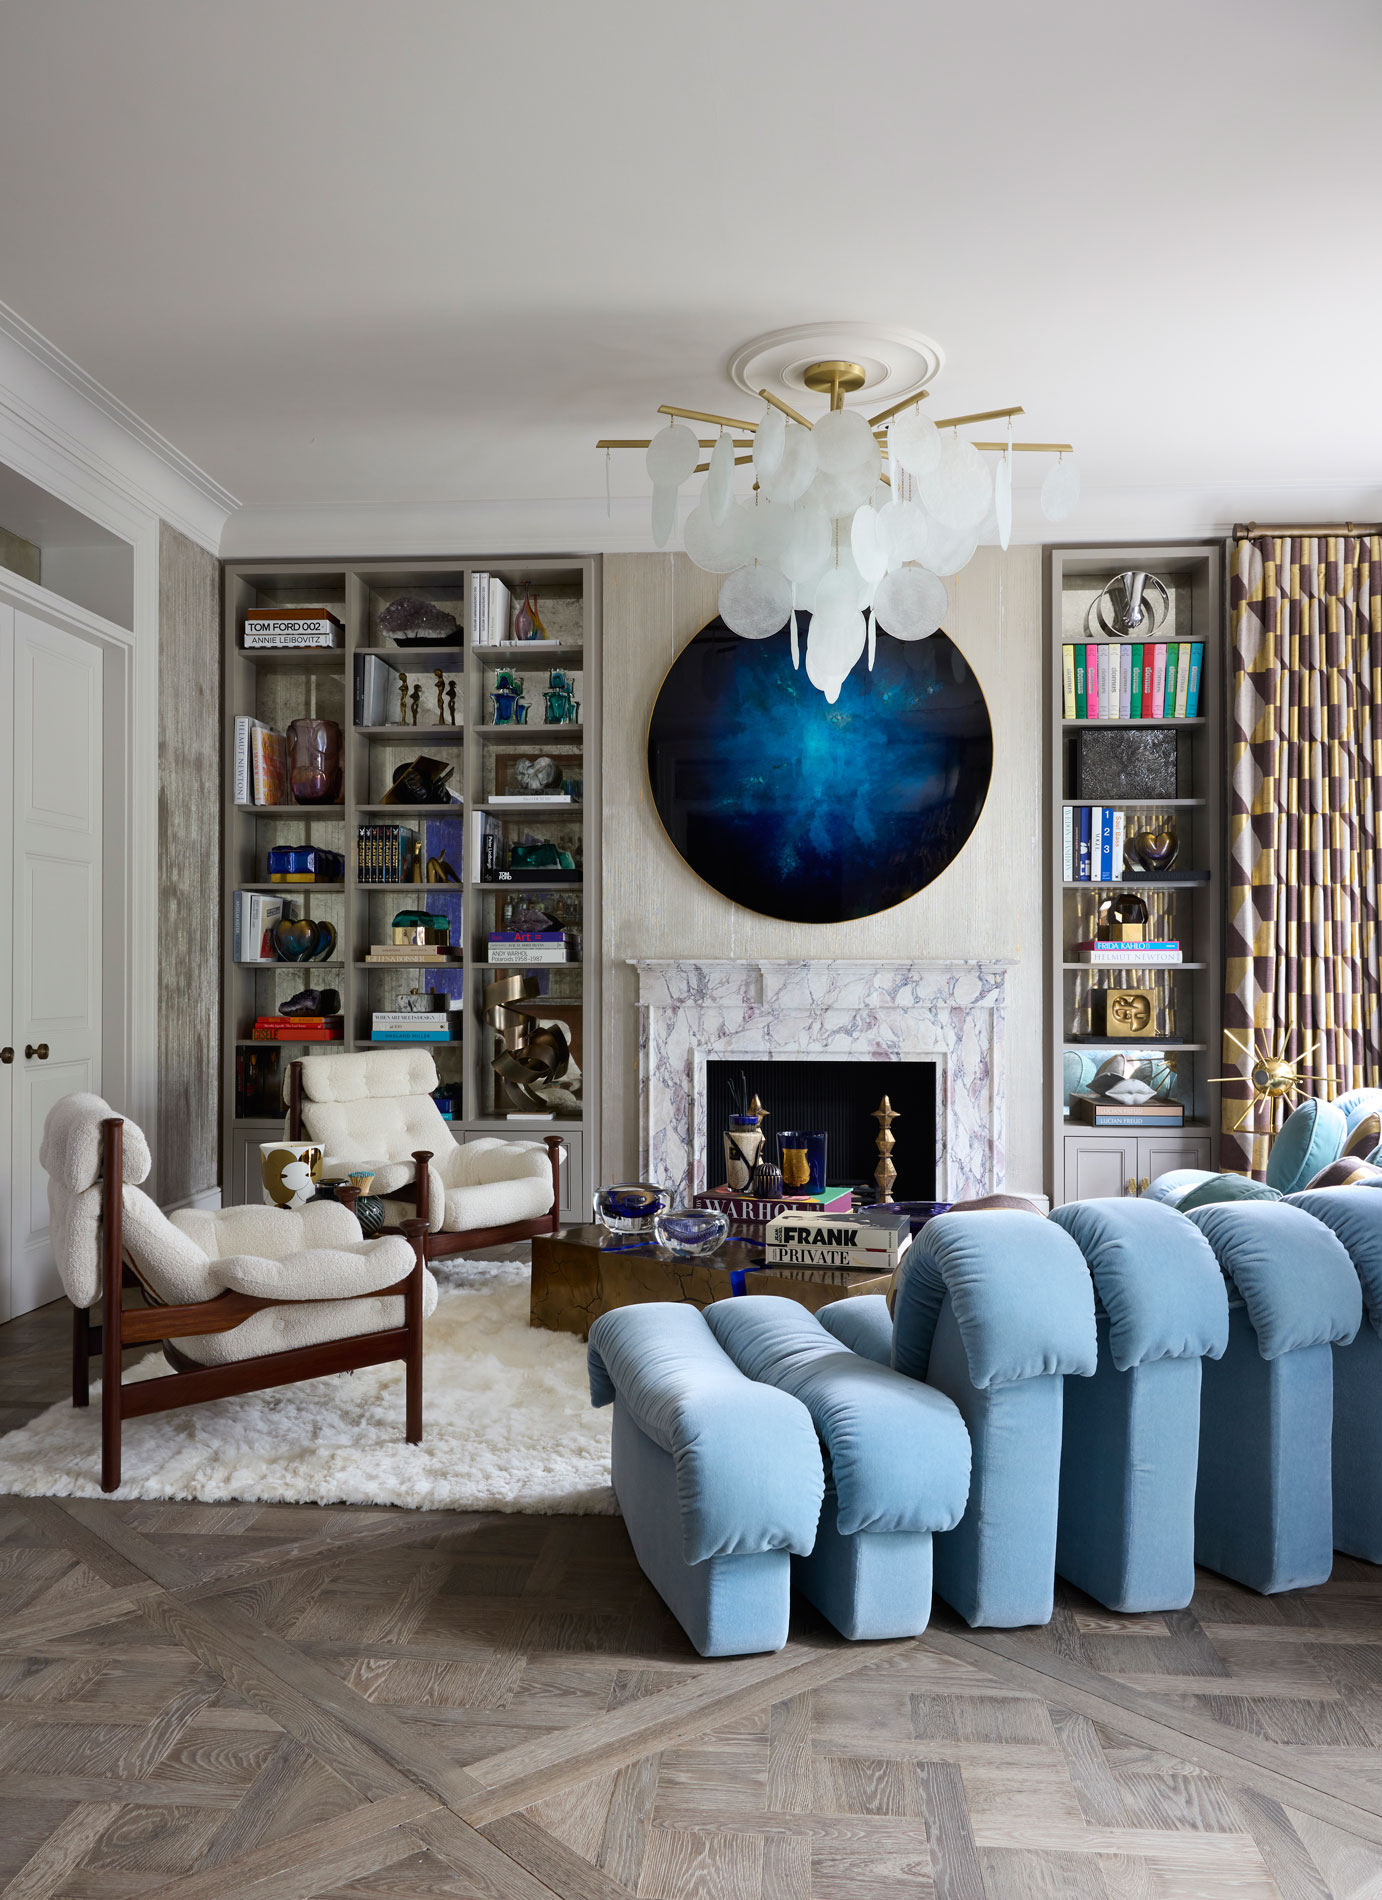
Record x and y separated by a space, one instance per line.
70 1153
284 1328
348 1109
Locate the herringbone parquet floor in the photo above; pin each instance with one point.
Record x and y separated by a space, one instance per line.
206 1702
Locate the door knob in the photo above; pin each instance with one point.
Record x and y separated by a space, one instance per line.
30 1052
1132 1184
1144 1184
6 1055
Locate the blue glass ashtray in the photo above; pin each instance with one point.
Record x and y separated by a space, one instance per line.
690 1232
630 1207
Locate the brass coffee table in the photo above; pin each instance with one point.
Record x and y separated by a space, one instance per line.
581 1272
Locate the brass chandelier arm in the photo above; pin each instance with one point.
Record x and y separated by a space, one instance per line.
702 415
980 415
786 409
645 442
886 415
1029 448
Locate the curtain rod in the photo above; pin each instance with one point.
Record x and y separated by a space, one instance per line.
1247 531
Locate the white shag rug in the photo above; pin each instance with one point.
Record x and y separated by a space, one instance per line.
507 1425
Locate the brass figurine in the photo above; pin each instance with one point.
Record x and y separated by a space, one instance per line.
417 701
440 678
403 699
885 1173
756 1108
451 702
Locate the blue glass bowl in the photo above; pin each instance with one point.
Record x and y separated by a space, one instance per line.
691 1231
630 1207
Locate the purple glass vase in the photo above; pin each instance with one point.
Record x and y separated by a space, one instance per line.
315 770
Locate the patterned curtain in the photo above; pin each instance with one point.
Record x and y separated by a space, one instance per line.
1305 750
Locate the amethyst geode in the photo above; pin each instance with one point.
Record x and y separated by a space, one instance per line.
417 620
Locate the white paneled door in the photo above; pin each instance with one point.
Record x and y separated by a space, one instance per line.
50 945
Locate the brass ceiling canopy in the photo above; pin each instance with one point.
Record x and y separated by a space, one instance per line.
835 378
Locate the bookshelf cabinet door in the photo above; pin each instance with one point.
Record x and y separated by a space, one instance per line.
1159 1154
1099 1169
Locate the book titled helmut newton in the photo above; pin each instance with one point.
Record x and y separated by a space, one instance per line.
875 1239
267 627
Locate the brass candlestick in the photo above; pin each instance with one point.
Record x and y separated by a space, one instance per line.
885 1173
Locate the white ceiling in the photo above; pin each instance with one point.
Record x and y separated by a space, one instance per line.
424 251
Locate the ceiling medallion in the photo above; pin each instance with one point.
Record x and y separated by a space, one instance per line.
855 519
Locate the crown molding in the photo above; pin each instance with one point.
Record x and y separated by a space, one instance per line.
101 438
382 530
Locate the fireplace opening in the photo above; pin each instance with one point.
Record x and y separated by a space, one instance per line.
840 1098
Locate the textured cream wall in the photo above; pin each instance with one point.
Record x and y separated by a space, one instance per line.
987 903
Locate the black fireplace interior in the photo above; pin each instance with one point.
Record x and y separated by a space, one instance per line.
839 1097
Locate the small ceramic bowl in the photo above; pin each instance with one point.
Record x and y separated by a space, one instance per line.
691 1231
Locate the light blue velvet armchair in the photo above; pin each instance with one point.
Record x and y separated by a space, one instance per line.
897 1458
1131 1440
1263 1511
1354 1216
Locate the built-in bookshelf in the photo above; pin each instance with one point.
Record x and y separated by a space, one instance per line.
1184 903
277 687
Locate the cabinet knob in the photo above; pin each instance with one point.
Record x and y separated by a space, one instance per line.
1132 1184
6 1055
30 1052
1144 1184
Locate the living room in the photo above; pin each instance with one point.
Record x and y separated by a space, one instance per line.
693 1067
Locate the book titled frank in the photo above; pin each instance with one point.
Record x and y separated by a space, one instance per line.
835 1240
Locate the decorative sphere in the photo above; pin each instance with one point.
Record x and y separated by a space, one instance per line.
768 443
843 439
672 455
796 469
755 602
690 1232
719 481
808 551
1003 499
717 547
910 604
1060 491
914 443
958 489
664 512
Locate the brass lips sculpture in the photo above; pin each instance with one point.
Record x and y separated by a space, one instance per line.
534 1056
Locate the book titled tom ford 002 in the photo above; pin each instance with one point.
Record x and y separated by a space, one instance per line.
269 627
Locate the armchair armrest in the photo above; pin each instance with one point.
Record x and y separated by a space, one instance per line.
1156 1276
1291 1271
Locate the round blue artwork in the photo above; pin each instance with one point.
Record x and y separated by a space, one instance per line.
811 812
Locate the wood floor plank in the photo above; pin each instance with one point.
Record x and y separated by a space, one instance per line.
96 1611
1284 1853
550 1861
66 1847
490 1872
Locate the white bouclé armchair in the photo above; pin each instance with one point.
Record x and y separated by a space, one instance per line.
253 1296
375 1109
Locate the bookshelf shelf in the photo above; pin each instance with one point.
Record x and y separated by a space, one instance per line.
1083 1161
279 686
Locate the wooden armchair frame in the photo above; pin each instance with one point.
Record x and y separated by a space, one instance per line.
194 1384
437 1246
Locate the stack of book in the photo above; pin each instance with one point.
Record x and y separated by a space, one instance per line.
384 854
253 918
1101 1111
1160 680
288 627
749 1214
490 607
261 764
410 953
1093 843
299 1028
873 1242
1155 952
412 1025
527 946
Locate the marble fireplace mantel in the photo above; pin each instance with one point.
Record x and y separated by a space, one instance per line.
696 1010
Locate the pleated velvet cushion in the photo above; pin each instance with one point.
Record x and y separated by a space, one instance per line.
1311 1136
1226 1187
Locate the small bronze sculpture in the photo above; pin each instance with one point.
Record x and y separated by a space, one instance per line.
451 702
417 701
440 678
403 699
885 1173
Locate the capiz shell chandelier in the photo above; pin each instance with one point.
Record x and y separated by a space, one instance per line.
857 521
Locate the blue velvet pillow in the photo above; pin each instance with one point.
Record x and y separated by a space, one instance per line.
1226 1187
1170 1187
1358 1104
1313 1135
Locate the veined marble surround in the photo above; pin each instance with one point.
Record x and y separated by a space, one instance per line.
693 1011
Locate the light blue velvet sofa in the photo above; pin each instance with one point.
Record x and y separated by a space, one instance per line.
1263 1505
897 1465
995 1310
1354 1215
720 1479
1131 1439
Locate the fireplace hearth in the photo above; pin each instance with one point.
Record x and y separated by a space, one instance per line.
838 1097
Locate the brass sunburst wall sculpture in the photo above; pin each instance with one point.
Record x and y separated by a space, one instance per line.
830 530
1272 1076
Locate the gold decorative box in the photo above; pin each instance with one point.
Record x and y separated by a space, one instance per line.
1122 1012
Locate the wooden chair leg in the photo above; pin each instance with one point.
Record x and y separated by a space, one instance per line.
554 1148
112 1279
81 1356
416 1231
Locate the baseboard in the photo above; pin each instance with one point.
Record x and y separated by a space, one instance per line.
207 1200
